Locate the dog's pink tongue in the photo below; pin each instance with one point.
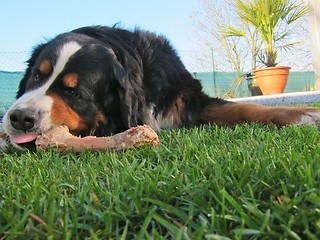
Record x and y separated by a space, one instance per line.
24 138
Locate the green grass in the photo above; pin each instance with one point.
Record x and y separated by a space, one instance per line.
246 182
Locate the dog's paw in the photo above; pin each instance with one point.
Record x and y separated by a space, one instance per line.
310 118
4 139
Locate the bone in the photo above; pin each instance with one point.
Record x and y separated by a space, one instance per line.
61 139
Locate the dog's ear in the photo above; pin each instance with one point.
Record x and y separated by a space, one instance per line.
23 83
127 80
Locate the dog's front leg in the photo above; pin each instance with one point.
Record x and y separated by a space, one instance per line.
4 139
230 114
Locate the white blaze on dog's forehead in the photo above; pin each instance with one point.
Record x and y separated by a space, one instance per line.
67 50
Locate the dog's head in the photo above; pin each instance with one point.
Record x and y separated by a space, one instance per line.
74 80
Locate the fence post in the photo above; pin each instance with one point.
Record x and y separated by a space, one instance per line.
214 74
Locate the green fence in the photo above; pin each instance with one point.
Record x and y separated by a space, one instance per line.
218 84
9 82
231 84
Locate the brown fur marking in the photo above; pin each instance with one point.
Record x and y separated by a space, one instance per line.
99 119
45 67
70 80
176 112
62 114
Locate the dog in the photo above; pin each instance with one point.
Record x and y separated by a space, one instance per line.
101 80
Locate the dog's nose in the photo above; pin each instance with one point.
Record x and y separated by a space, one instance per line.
23 120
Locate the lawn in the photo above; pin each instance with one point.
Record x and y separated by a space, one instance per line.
246 182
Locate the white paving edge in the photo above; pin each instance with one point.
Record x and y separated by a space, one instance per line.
282 99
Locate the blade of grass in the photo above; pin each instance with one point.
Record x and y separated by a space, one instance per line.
239 209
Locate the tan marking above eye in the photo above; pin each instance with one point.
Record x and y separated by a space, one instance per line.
45 67
70 80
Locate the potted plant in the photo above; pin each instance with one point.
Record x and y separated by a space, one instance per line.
270 18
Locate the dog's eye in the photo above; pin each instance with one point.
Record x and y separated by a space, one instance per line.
36 77
71 92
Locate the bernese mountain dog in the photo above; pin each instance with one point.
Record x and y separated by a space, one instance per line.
103 80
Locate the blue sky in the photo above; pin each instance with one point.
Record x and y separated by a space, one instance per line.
26 23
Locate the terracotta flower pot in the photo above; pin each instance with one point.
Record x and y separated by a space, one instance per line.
272 80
